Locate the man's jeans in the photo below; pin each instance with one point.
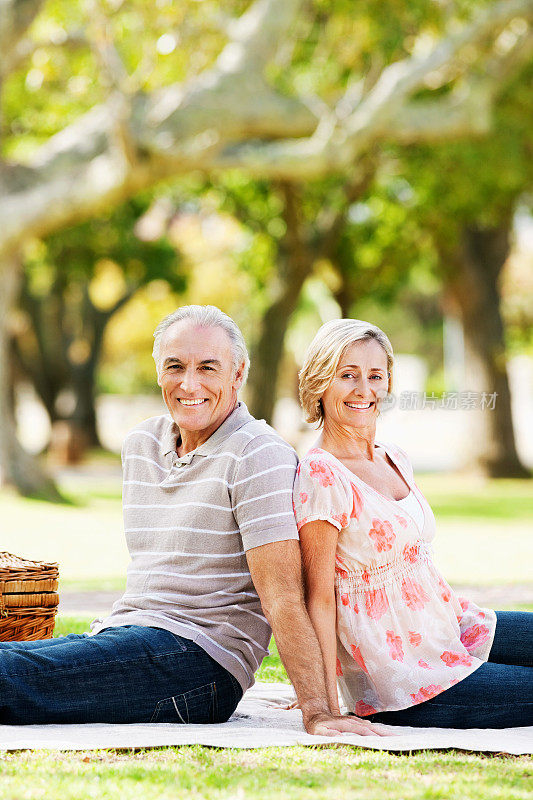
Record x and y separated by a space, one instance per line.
126 674
499 694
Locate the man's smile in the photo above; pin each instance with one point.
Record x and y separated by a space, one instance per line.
197 402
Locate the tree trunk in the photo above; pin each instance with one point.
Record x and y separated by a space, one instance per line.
482 254
295 263
19 468
83 419
344 297
45 365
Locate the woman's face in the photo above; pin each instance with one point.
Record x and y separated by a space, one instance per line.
361 380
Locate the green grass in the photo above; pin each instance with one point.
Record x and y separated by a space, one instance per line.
274 773
457 497
484 537
292 773
483 531
109 584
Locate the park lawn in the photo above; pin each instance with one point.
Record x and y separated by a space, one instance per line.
271 773
274 773
477 543
483 531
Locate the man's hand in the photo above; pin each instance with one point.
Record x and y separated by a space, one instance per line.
322 725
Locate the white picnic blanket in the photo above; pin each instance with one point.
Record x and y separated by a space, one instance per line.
259 721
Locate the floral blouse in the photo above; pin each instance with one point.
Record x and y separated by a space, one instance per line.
403 636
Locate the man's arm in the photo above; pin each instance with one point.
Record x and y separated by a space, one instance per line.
277 575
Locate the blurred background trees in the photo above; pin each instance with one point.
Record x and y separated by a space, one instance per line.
286 160
74 281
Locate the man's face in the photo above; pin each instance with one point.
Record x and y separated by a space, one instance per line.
197 377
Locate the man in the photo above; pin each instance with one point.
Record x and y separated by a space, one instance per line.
214 555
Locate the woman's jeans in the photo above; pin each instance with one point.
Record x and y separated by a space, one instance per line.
499 694
125 674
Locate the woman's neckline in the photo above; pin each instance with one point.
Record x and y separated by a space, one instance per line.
372 488
401 499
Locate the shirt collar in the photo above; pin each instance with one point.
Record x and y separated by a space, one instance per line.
238 417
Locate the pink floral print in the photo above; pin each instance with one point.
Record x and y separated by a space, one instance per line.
382 535
376 603
363 709
391 600
357 503
356 653
474 636
410 553
340 566
413 594
426 693
452 659
445 592
322 472
342 519
395 646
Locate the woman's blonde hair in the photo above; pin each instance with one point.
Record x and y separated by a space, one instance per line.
323 356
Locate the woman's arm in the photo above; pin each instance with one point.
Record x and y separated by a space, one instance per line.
318 540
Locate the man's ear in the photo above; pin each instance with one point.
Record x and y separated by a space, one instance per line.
239 375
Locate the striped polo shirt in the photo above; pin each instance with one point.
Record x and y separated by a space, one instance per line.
189 522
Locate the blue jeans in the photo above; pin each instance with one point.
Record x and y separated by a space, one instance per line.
126 674
499 694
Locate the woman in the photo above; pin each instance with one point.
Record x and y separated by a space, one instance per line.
403 648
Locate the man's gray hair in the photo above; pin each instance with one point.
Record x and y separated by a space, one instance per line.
206 317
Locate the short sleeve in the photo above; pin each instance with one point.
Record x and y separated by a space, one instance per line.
262 492
322 492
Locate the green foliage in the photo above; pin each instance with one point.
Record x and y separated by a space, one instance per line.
338 42
385 252
74 253
477 180
75 281
59 81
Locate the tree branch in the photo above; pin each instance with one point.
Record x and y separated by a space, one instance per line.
16 16
229 117
331 148
467 110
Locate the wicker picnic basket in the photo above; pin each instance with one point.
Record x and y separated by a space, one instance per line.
28 598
